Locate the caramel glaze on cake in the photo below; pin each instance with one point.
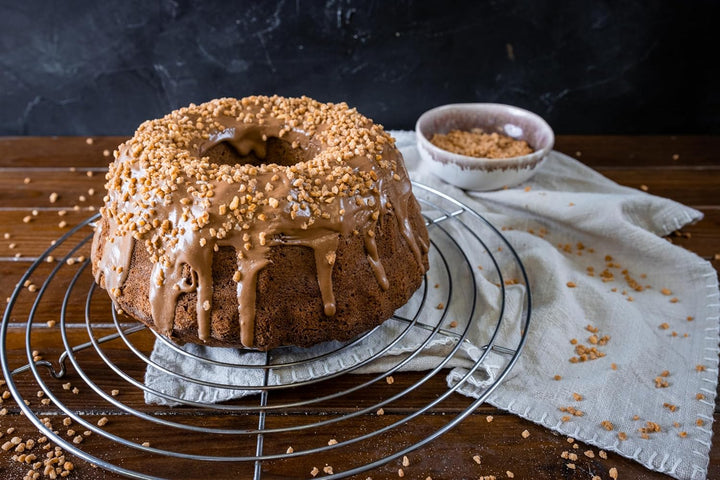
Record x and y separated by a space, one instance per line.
260 222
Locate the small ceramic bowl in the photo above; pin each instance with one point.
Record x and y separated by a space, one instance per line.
483 173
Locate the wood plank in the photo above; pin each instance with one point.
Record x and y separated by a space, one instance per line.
649 151
56 152
499 444
74 189
687 186
596 150
32 238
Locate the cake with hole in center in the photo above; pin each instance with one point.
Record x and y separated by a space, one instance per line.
260 222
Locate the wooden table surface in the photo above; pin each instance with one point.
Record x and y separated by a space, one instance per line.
684 168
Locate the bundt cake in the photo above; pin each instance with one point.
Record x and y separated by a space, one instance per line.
260 222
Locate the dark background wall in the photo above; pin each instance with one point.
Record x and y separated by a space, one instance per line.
588 67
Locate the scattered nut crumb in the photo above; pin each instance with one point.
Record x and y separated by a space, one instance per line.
525 434
489 418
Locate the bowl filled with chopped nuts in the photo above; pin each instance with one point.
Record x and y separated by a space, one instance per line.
483 146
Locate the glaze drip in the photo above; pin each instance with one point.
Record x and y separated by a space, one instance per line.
324 249
183 209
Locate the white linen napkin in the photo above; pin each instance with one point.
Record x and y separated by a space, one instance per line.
603 283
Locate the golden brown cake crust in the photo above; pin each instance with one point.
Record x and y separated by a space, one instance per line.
297 227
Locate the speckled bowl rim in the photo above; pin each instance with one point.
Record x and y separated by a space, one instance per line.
483 163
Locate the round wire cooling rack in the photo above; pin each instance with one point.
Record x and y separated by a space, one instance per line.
470 316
